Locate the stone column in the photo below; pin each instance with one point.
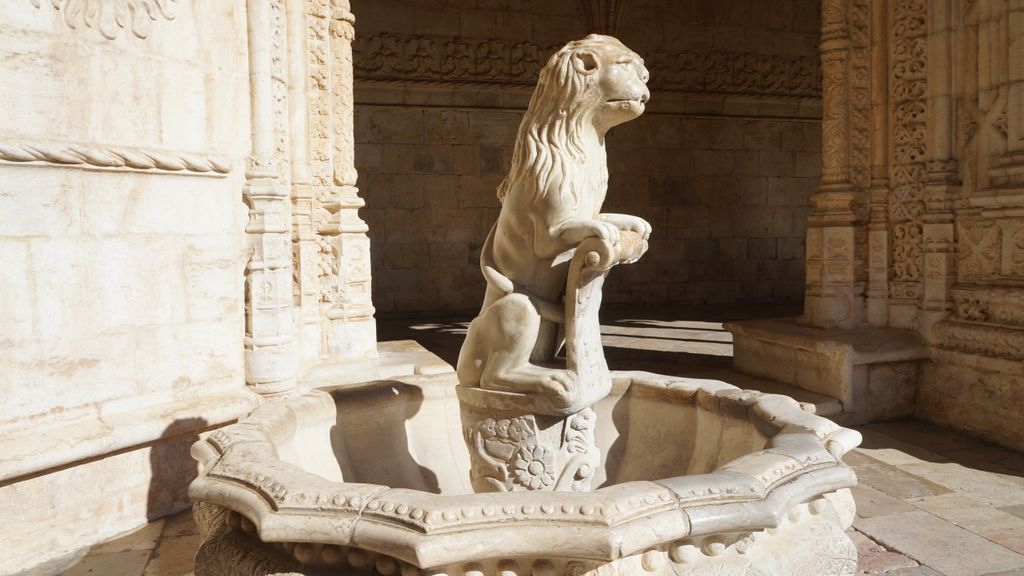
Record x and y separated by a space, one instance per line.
908 154
351 329
878 220
942 178
835 292
306 250
331 248
269 334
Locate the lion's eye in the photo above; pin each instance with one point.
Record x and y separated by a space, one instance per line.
624 61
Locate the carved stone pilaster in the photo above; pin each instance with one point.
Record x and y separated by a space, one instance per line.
877 304
352 328
942 173
271 365
836 236
331 248
908 155
835 121
269 335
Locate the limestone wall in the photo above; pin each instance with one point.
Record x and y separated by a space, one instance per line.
973 193
122 148
915 249
723 163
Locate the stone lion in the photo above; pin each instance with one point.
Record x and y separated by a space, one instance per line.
551 202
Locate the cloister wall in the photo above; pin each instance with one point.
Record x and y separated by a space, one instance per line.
722 164
122 146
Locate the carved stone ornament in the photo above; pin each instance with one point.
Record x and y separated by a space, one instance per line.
112 157
542 284
326 482
909 96
526 461
109 17
408 58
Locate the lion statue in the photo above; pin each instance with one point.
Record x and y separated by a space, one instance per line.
551 202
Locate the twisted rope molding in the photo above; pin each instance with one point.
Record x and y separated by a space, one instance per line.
114 157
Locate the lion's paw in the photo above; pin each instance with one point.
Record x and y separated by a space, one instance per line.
559 382
607 231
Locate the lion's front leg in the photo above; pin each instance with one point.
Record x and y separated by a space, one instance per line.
569 233
629 223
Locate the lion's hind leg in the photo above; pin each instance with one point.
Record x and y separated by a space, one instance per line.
503 339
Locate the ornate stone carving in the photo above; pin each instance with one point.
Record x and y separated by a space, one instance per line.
446 60
271 366
557 183
992 305
782 509
908 96
1013 251
860 93
109 17
516 454
333 252
991 341
113 157
979 249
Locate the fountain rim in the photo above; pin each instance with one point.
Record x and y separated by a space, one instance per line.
240 470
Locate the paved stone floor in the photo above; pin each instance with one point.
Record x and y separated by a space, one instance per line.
930 502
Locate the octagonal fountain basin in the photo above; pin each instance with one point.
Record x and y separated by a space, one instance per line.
697 477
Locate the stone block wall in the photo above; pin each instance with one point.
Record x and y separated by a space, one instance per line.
722 164
122 150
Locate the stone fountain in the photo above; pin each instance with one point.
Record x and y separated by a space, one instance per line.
528 461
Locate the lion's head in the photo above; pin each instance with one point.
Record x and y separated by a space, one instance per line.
585 88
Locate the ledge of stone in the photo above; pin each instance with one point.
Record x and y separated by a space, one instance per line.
394 359
863 368
33 449
865 345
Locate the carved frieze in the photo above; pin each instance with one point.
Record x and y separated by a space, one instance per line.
989 305
991 341
448 60
109 17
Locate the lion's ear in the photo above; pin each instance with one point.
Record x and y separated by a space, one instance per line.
585 62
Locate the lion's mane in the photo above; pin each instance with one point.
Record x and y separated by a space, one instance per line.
549 147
